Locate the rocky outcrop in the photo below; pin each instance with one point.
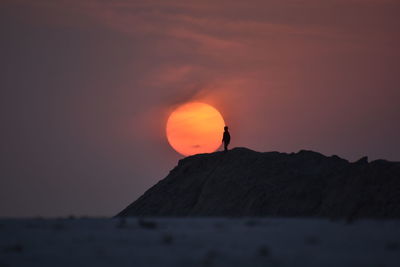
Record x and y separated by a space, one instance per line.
243 182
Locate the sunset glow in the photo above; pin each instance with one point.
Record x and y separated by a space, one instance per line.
195 128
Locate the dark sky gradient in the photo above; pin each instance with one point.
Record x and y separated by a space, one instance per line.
86 88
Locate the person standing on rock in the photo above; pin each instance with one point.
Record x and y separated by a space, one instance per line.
226 138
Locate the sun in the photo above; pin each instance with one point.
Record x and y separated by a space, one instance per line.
195 128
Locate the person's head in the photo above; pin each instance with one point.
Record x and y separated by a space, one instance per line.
226 128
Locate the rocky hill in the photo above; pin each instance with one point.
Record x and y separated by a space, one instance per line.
243 182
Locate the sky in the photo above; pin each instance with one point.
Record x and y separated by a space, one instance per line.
86 88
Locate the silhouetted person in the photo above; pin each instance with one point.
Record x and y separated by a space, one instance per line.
226 138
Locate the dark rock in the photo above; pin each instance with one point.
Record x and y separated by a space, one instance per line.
17 248
392 246
312 240
363 160
167 239
209 258
263 251
243 182
147 224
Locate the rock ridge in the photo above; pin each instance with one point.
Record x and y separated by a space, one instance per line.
243 182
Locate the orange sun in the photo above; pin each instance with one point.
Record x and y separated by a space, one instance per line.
195 128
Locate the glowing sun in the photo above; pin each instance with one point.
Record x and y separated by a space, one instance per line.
195 128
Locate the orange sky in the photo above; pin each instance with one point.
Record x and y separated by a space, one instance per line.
87 87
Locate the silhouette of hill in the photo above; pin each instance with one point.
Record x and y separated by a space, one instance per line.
243 182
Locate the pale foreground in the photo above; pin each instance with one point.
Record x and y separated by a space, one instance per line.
198 242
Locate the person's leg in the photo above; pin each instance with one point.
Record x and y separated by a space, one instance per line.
225 146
